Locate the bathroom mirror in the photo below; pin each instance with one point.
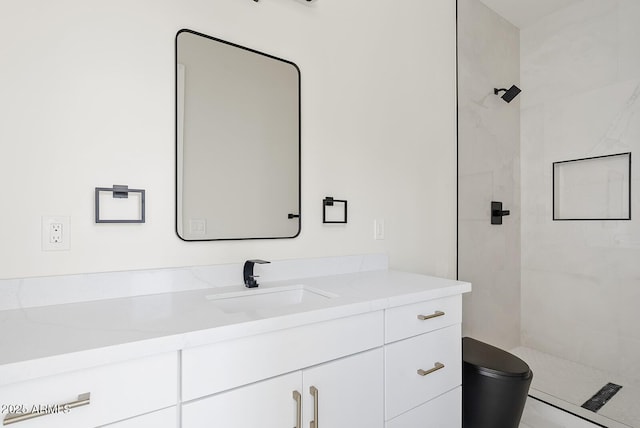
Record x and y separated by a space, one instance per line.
237 142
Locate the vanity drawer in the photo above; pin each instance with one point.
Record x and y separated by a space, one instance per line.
166 418
405 388
442 412
221 366
411 320
116 392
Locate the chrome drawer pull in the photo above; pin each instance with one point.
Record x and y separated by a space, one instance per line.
314 423
436 367
298 398
433 315
12 418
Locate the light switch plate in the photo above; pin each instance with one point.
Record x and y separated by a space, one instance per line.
378 229
56 233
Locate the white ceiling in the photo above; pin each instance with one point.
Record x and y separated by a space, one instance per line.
522 13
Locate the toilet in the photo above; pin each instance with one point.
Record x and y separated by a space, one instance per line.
495 384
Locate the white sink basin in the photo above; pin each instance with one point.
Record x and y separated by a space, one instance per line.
267 298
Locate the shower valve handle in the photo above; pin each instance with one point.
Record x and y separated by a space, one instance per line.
497 212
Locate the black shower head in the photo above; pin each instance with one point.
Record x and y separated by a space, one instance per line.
509 94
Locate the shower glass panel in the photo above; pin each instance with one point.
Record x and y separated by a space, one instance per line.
562 295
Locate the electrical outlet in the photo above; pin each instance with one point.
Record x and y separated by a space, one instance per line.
55 233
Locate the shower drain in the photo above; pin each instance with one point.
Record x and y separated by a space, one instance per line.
601 397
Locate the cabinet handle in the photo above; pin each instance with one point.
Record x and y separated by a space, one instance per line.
12 418
298 398
314 423
433 315
436 367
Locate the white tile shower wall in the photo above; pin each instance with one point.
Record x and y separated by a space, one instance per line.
581 98
489 150
55 290
88 100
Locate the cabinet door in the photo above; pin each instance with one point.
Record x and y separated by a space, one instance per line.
345 393
266 404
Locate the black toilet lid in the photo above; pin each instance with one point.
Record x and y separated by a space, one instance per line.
492 360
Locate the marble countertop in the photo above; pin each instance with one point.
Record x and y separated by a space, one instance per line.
48 340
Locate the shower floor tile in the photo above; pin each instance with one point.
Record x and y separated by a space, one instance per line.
541 415
624 406
568 385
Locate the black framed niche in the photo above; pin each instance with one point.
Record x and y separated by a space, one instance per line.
593 188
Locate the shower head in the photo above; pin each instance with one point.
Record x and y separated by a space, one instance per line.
509 94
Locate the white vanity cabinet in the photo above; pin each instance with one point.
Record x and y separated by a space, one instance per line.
335 366
339 373
384 353
344 393
423 364
398 367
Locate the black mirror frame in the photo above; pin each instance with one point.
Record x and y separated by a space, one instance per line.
297 215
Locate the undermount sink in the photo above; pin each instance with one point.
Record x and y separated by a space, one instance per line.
268 297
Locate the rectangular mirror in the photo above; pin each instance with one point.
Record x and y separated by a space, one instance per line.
237 142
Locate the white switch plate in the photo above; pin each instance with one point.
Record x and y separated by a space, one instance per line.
55 233
378 229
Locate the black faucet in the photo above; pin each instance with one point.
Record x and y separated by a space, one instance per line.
249 277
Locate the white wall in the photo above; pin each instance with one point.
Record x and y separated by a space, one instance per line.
88 100
489 170
581 98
